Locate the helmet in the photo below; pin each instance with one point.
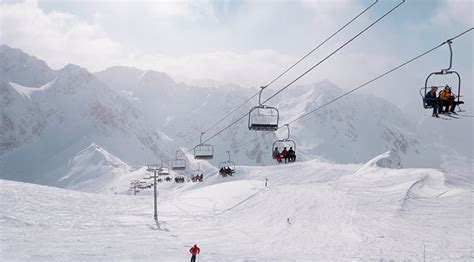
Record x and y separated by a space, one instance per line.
447 88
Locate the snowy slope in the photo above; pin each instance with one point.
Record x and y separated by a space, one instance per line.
336 213
93 170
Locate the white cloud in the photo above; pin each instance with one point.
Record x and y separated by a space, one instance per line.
248 69
249 45
59 38
454 11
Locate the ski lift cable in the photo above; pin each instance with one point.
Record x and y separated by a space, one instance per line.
361 86
234 148
334 52
378 77
310 69
230 113
322 43
295 64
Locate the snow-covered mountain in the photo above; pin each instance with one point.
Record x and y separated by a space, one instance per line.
46 131
95 133
127 112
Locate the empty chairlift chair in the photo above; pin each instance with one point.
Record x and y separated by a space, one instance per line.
280 145
178 163
203 151
163 171
424 90
262 117
227 167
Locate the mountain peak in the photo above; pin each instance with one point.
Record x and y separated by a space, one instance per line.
73 77
18 67
72 68
153 77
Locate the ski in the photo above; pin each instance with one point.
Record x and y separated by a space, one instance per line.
440 117
444 118
451 115
465 115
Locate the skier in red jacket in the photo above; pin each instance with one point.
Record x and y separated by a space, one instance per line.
194 251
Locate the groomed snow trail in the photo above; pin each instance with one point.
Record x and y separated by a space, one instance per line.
336 213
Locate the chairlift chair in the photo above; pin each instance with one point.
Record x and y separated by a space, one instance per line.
163 171
424 90
263 117
178 163
286 142
152 168
197 173
203 151
230 164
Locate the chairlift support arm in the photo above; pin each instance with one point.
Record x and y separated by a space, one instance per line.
200 138
260 95
450 56
288 128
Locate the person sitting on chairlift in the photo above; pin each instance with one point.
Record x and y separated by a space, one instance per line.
284 154
433 101
291 155
447 99
277 155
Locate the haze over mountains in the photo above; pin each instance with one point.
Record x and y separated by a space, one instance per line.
122 118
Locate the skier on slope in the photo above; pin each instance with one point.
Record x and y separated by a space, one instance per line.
194 251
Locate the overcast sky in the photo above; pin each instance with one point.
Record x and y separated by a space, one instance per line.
243 42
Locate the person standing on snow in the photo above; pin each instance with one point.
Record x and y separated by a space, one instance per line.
194 251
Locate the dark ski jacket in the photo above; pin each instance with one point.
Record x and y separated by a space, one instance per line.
430 96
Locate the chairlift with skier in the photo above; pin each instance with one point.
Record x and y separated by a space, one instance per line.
227 168
427 104
287 147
